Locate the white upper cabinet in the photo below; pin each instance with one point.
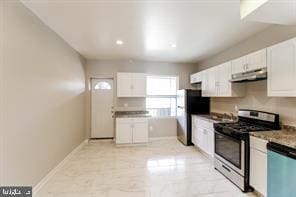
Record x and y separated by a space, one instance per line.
212 82
139 85
239 65
281 61
196 77
256 60
216 82
249 62
131 85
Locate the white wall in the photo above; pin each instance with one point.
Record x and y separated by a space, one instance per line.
162 127
42 97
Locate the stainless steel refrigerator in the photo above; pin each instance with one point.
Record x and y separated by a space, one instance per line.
189 102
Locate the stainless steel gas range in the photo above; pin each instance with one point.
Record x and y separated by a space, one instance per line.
232 144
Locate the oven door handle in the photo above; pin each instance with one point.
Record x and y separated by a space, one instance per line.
226 168
227 136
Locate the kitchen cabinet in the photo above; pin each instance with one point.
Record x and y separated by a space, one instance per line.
252 61
205 83
131 130
203 135
196 77
281 61
217 83
131 85
258 164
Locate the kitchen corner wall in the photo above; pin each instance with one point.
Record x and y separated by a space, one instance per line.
42 92
256 95
162 127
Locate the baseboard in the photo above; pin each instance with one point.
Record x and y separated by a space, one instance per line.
162 138
57 168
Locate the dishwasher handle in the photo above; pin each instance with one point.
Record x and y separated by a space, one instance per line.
282 149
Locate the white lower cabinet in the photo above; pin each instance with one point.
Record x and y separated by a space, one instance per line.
203 135
258 164
131 130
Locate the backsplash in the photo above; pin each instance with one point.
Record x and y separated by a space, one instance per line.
256 98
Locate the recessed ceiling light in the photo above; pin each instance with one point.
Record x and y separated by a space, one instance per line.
173 45
119 42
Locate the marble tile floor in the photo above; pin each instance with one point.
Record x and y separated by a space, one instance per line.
162 168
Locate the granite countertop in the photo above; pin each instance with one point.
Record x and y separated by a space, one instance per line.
285 136
132 114
215 118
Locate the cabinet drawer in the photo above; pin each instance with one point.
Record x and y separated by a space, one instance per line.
204 124
258 144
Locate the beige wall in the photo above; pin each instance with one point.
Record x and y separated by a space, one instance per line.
256 96
108 68
42 97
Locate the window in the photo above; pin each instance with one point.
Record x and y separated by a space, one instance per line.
161 95
102 85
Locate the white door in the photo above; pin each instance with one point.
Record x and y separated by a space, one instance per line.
102 125
212 81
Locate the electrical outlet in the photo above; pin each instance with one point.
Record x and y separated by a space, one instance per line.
236 108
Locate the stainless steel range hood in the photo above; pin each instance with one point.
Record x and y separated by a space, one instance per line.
254 75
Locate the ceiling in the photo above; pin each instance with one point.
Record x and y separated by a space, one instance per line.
198 28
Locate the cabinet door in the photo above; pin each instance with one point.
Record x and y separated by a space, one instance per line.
238 65
281 61
193 78
224 75
205 84
138 85
123 132
258 170
210 144
194 130
140 131
124 84
199 137
256 60
205 144
212 82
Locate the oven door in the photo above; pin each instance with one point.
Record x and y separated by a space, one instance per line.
230 151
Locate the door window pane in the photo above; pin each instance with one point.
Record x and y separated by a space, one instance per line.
102 85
